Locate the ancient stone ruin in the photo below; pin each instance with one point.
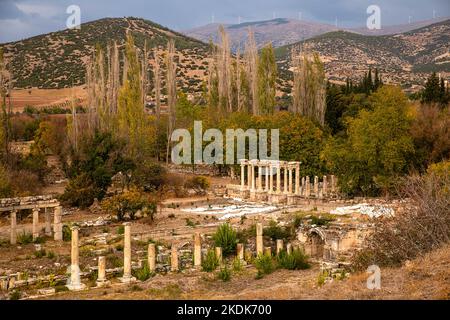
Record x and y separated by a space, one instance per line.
37 204
261 180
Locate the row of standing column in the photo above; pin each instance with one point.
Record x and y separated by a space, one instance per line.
75 276
57 224
291 171
266 170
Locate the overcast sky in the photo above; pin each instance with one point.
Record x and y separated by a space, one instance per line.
21 19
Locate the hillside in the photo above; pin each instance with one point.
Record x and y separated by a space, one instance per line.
402 59
58 59
279 32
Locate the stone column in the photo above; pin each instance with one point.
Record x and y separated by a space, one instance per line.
75 282
259 177
253 177
290 180
13 238
197 250
279 245
35 223
285 189
307 187
249 175
316 186
242 176
101 278
270 178
289 248
303 191
259 239
268 251
266 184
48 223
278 178
240 251
325 187
219 254
57 224
297 178
151 257
333 184
232 174
127 277
174 258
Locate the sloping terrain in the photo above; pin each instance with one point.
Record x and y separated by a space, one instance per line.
58 59
279 32
403 59
424 278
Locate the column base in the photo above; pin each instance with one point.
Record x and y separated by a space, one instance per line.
245 194
278 198
102 283
76 287
128 279
292 199
261 195
252 195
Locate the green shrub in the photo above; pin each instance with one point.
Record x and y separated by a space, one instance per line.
129 203
98 158
15 295
198 183
51 255
276 232
61 288
297 260
225 237
80 192
264 264
143 273
149 176
323 275
67 233
245 234
224 274
120 229
190 223
24 238
237 265
39 240
40 253
322 220
211 262
114 261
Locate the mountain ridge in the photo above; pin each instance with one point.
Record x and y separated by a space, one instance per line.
285 31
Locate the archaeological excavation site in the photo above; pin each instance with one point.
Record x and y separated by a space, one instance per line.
241 237
280 161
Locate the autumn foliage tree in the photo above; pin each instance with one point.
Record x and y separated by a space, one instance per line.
378 148
309 85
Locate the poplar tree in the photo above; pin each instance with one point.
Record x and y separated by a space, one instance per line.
309 85
251 57
171 93
131 115
267 76
5 91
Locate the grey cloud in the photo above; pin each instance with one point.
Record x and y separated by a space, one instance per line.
9 10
